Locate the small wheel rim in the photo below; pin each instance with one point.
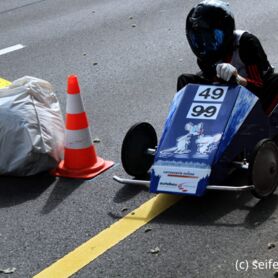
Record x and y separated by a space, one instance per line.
265 168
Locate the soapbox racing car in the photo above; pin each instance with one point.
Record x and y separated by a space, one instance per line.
210 132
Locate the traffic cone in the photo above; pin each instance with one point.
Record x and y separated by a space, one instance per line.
80 158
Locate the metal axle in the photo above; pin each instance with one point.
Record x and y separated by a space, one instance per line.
230 188
241 165
130 181
209 187
151 151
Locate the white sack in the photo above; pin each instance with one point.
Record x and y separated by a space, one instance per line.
31 128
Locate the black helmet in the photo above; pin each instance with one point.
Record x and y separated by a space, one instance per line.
209 29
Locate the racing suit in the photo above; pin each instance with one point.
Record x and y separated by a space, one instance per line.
250 60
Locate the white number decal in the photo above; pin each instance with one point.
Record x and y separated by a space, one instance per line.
211 93
204 111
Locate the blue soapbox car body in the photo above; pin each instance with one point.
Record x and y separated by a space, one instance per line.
211 131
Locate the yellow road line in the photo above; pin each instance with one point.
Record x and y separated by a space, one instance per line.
94 247
4 83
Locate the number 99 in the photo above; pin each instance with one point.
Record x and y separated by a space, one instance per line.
199 110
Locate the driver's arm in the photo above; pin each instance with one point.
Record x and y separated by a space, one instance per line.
257 65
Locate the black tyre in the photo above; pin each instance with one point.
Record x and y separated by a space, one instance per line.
263 168
138 139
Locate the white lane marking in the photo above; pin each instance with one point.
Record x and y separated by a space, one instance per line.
11 49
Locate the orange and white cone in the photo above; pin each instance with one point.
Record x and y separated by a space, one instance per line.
80 158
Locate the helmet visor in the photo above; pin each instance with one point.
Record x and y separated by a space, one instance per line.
205 42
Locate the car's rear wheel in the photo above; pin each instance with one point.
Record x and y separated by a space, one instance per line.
263 168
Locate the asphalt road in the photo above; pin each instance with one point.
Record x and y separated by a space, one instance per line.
127 55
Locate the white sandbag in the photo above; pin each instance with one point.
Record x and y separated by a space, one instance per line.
31 128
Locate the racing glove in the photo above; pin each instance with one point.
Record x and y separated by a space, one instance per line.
225 71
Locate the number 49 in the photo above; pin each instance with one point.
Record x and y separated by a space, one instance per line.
216 93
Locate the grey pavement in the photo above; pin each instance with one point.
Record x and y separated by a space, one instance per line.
127 55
